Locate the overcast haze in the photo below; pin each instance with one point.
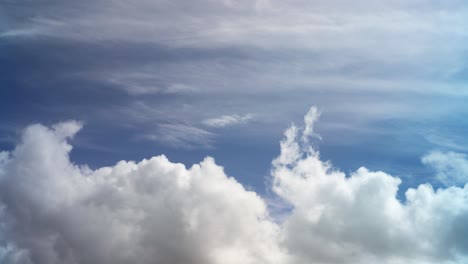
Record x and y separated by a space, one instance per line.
233 131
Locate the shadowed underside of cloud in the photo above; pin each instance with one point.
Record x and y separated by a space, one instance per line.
156 211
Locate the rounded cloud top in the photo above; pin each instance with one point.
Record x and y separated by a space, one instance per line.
157 211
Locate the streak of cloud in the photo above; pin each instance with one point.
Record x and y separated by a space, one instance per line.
228 120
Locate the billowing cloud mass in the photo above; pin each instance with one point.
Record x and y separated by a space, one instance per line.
358 218
153 211
156 211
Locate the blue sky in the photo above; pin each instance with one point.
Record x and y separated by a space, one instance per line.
225 79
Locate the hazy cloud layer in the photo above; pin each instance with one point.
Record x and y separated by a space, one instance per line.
54 211
189 61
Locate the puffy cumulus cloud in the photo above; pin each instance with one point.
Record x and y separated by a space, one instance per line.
228 120
358 218
451 167
153 211
156 211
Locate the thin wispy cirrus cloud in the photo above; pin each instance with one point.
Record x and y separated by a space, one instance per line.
228 120
182 136
181 104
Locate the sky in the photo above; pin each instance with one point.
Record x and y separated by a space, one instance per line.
233 131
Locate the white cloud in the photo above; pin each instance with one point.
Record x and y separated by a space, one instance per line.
444 142
54 211
358 218
153 211
309 120
181 136
451 167
141 82
228 120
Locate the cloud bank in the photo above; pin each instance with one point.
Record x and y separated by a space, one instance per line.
156 211
184 59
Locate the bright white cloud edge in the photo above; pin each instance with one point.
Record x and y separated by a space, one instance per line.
54 211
